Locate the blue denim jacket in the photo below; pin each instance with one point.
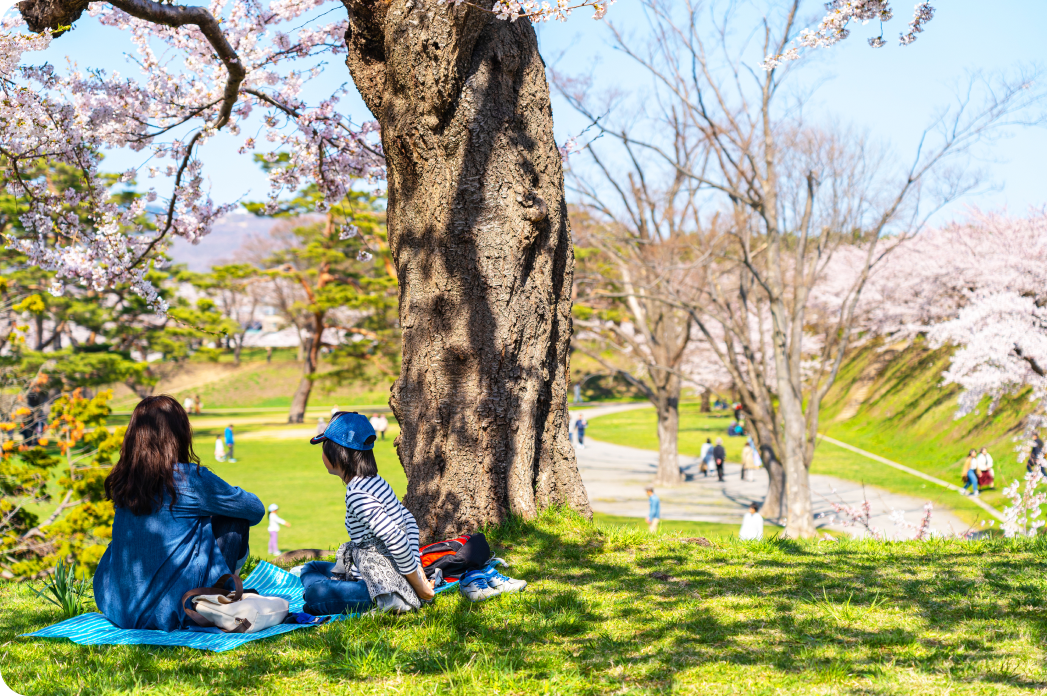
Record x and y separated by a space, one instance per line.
154 559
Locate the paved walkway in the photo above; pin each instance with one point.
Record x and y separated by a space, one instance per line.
615 477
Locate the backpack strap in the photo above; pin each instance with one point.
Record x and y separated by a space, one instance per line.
219 588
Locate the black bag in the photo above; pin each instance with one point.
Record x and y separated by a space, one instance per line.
457 556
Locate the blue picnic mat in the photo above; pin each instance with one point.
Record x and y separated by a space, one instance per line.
95 629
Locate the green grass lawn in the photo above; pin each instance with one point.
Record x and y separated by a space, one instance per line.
612 611
686 528
290 474
639 429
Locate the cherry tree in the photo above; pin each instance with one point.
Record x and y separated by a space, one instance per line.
789 193
462 138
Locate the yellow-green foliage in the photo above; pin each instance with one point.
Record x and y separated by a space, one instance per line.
77 444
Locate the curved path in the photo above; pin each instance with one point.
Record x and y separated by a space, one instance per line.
615 477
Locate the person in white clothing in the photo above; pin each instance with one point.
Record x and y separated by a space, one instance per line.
376 423
321 425
984 465
752 525
383 425
219 449
274 529
188 404
705 457
334 410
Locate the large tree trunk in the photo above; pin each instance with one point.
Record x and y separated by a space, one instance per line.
478 233
668 408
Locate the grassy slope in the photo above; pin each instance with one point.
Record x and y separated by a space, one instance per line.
756 618
269 385
910 417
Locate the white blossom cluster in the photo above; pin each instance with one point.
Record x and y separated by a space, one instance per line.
833 27
923 14
539 11
1022 516
168 111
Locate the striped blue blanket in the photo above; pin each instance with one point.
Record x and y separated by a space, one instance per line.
94 629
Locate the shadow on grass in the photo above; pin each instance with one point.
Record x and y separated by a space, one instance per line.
608 605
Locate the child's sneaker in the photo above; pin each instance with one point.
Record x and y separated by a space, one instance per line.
473 586
503 583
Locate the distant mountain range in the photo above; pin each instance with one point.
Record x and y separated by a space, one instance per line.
226 237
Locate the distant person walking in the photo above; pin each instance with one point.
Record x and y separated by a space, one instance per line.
706 456
654 510
321 425
580 425
970 473
752 525
748 463
230 442
719 456
198 406
274 529
269 354
187 404
219 449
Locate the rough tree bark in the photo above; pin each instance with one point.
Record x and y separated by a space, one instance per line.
479 237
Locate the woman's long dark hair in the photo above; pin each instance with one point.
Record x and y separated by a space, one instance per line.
158 437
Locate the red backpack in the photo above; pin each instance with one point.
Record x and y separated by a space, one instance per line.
456 556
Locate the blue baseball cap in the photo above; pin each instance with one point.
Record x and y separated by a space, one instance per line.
348 429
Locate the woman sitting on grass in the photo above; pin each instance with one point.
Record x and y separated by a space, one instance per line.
177 525
383 533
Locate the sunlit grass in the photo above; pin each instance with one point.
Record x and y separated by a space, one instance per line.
611 610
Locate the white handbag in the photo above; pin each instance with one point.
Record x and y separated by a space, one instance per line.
234 612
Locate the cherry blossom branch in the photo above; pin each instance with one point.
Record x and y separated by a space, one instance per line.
178 16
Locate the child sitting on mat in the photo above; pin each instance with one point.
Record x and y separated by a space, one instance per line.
381 562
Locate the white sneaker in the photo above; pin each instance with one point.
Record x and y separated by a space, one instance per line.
473 586
503 583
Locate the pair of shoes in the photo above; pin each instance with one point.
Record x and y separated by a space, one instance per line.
473 586
502 583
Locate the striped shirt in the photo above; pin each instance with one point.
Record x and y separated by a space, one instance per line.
372 510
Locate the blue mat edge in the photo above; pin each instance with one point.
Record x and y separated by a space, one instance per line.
181 637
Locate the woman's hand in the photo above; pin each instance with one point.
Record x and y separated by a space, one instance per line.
423 587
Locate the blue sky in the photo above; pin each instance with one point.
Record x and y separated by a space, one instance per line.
891 91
